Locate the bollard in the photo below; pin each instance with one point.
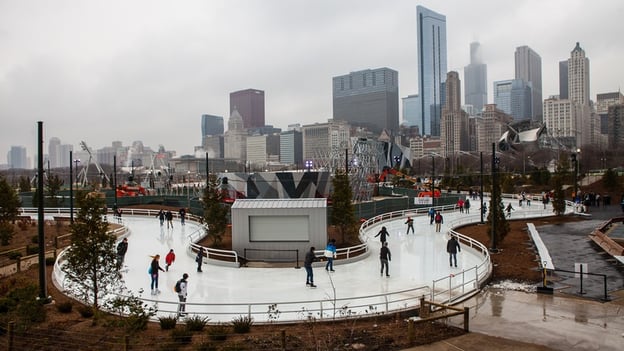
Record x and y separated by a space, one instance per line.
466 319
283 339
126 343
424 309
11 332
410 332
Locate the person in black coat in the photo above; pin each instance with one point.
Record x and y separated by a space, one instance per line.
383 234
385 256
452 247
307 264
122 248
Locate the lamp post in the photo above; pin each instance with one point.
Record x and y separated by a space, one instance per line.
188 189
76 162
308 164
433 180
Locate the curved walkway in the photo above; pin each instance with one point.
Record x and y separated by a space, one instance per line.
222 293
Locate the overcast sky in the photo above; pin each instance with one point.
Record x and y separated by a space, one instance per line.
147 70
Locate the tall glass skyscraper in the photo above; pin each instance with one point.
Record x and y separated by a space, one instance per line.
475 79
431 68
513 96
250 104
211 125
529 69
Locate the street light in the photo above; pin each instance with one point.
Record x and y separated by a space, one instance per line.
308 164
188 189
76 162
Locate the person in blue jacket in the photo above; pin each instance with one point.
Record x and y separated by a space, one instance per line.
330 254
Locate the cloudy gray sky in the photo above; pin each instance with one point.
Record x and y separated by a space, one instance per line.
147 70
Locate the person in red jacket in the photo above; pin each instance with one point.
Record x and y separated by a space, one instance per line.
169 259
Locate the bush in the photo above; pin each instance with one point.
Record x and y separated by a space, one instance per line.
168 323
34 239
217 332
205 346
85 311
242 324
6 233
14 255
65 307
50 261
196 323
182 336
32 250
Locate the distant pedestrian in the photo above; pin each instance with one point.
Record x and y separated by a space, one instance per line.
330 254
432 213
484 208
169 218
153 271
122 248
460 205
385 256
307 264
410 225
467 205
169 259
182 290
200 258
508 209
438 221
383 233
452 247
161 217
182 214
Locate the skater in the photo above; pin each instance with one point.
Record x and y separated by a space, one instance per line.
307 263
153 271
432 213
508 209
383 233
161 217
385 256
330 254
410 225
182 214
169 218
181 289
460 204
122 248
438 221
452 247
169 259
200 258
467 205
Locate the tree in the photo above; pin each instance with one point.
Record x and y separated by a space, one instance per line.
24 184
215 211
90 263
342 214
610 180
558 179
9 201
502 226
53 187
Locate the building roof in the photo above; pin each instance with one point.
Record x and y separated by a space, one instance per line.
279 203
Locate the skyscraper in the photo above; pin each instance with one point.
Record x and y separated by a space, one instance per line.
54 152
529 69
563 79
368 98
431 67
211 125
250 105
475 79
578 76
454 121
17 157
513 97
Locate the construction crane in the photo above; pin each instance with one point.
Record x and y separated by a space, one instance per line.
82 175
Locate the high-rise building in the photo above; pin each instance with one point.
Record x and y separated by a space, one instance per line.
431 68
578 76
211 125
368 98
235 139
321 139
250 105
291 148
411 110
54 152
17 158
475 79
513 96
603 102
454 122
529 69
616 126
563 79
563 120
490 126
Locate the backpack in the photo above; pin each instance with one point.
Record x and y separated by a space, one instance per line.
177 287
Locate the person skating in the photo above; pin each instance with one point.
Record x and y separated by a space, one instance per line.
431 213
169 259
122 248
467 206
182 214
182 293
438 221
200 258
410 225
161 217
383 233
385 256
307 264
153 271
508 209
169 218
330 254
452 247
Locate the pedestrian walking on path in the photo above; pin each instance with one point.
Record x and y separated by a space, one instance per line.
169 259
307 264
452 247
383 233
410 225
385 256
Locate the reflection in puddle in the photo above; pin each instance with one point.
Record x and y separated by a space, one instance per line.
497 297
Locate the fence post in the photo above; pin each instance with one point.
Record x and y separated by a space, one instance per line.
466 319
18 263
126 346
410 332
283 339
424 311
11 332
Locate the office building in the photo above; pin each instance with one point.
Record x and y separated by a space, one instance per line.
615 137
411 110
563 79
578 76
211 125
454 122
603 102
563 120
250 106
490 127
213 145
321 139
368 98
513 97
431 36
475 79
529 69
16 158
235 139
291 148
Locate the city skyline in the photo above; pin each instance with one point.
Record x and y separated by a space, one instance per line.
101 72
